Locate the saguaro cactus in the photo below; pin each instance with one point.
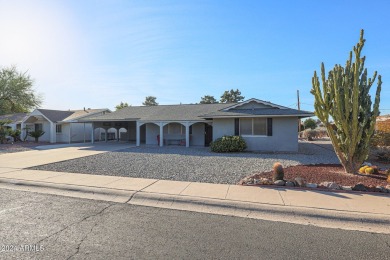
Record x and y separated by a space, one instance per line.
345 98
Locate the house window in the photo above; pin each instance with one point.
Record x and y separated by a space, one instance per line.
38 127
58 129
253 126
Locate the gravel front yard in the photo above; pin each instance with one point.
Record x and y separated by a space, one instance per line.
190 164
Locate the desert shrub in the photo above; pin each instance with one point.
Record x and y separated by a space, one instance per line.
15 134
36 134
317 133
278 172
382 153
4 130
321 132
309 134
228 144
380 138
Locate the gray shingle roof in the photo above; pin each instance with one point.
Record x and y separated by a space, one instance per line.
60 115
15 118
55 115
259 112
163 112
196 112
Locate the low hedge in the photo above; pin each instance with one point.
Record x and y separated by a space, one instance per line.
228 144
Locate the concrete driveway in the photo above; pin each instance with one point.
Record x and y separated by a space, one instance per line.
56 153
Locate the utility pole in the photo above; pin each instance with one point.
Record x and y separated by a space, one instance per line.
299 103
299 108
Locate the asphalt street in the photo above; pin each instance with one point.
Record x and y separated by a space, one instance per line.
40 226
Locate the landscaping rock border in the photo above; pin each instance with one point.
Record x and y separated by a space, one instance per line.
301 183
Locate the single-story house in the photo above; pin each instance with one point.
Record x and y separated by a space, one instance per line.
61 126
264 126
15 120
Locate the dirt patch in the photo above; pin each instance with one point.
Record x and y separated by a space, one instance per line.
328 173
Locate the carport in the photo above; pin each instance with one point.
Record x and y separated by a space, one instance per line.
122 130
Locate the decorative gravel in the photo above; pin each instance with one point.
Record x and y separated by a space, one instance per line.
189 164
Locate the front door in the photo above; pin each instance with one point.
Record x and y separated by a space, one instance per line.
208 138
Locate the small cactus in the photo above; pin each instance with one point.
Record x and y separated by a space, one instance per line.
278 172
370 170
363 169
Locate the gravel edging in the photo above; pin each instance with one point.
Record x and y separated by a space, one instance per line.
188 164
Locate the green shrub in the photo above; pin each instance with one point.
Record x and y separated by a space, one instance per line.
36 134
15 134
228 144
4 130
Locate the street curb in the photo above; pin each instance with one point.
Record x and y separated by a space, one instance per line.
369 222
66 187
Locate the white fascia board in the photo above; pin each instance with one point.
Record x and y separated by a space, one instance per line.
255 100
89 114
36 112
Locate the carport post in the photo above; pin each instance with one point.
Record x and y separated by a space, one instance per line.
187 134
92 134
105 136
137 133
161 134
52 132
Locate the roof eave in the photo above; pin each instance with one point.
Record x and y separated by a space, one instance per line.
249 115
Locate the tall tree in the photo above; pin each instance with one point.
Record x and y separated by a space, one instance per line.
121 105
16 92
150 101
208 100
231 96
345 98
310 123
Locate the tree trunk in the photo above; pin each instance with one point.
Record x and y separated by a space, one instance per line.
351 165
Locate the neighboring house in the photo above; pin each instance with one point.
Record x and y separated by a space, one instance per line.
264 126
16 120
61 126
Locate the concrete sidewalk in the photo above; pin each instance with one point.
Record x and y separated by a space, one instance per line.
357 211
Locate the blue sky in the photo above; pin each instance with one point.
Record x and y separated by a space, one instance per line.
99 53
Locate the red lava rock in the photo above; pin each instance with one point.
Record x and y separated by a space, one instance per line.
328 173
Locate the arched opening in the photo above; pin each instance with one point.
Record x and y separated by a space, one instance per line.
99 134
123 134
149 133
111 134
